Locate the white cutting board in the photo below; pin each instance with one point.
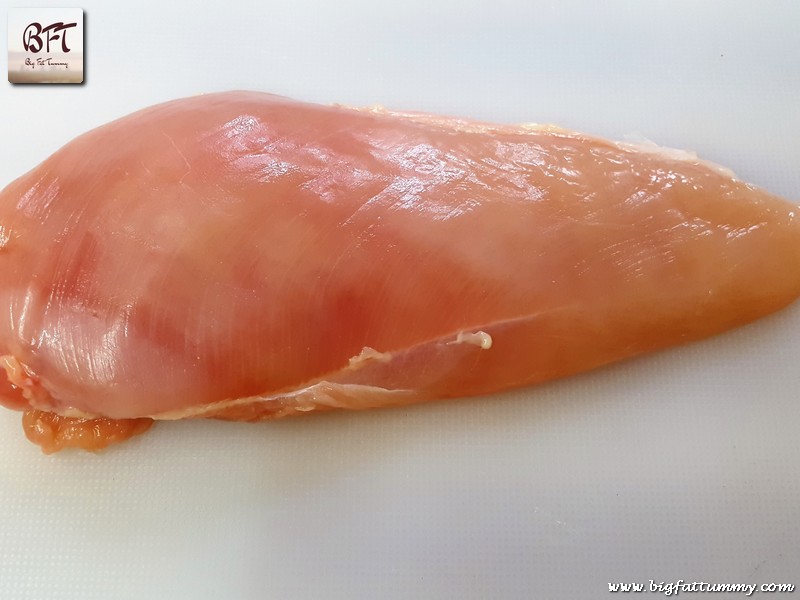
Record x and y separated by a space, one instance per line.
680 465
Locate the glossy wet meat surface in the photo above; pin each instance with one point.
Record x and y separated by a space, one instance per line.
247 254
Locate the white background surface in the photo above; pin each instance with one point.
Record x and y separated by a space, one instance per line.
680 465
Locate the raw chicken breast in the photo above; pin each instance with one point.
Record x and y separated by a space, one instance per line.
246 256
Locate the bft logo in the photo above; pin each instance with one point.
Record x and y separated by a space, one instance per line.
32 36
45 45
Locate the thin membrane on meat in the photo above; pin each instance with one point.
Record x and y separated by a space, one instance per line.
247 256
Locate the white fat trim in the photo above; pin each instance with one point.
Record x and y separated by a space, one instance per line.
31 388
480 338
548 128
369 354
74 413
319 394
636 142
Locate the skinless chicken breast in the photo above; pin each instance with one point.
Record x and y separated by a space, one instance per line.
247 256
